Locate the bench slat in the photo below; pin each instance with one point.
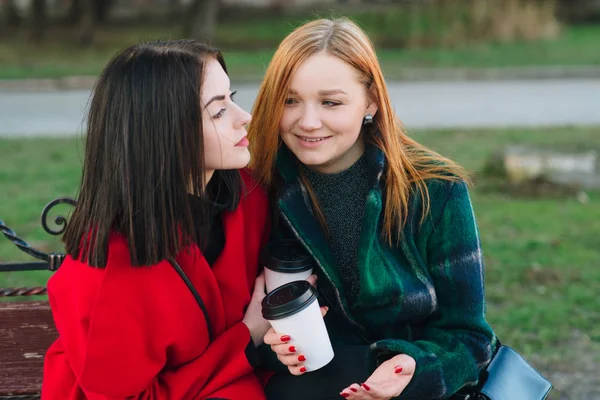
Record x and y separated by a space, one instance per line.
26 331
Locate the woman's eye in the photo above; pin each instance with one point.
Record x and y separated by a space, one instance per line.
219 114
330 103
290 100
232 94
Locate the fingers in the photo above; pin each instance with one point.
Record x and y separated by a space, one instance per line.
292 360
324 310
404 364
284 349
286 352
272 337
355 392
297 370
312 280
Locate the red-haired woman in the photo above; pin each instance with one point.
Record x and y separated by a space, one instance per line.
388 221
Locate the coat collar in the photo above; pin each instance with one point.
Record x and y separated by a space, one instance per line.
297 212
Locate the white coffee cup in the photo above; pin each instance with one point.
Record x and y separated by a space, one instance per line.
293 309
285 261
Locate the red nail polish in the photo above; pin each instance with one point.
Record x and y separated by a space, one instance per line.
285 338
303 369
398 369
367 388
301 358
345 395
292 349
354 390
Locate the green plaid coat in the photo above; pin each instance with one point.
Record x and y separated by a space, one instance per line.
423 297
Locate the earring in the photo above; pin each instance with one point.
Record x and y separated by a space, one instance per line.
368 120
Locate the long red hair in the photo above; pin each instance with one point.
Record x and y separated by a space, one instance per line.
408 163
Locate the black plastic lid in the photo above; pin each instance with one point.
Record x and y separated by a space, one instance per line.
288 299
287 255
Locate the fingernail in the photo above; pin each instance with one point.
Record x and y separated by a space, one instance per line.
399 369
367 388
345 395
303 369
285 338
292 349
354 390
301 358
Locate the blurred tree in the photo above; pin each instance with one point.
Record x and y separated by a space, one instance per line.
98 9
101 9
38 19
87 22
12 15
201 20
580 10
74 12
87 15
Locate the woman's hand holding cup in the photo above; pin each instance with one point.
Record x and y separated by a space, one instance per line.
287 353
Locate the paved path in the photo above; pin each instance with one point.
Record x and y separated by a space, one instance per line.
419 105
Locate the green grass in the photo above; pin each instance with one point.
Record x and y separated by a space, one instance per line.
249 45
32 173
541 255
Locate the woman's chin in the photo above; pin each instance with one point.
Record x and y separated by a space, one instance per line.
312 162
241 162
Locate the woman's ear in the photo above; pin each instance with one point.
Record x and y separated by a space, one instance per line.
372 106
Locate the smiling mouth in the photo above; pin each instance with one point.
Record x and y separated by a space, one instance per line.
312 140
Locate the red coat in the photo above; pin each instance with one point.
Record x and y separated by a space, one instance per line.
137 332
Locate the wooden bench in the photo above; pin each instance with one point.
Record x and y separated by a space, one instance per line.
27 327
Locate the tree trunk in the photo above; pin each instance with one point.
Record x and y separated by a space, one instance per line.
87 24
13 18
100 10
74 13
202 20
38 19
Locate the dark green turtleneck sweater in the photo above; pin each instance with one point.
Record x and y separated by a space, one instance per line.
342 198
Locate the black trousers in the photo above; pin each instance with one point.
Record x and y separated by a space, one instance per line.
349 365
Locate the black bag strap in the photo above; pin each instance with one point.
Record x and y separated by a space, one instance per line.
194 293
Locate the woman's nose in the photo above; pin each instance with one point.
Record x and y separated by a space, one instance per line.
245 117
309 120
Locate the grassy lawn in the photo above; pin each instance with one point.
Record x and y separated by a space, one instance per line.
541 255
249 45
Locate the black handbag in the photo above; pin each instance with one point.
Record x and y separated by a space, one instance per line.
510 377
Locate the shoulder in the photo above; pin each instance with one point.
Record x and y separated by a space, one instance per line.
442 190
440 196
118 273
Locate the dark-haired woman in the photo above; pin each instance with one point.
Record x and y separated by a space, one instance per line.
161 187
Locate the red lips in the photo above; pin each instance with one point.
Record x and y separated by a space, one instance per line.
243 143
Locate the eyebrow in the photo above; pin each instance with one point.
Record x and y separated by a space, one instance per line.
215 98
324 92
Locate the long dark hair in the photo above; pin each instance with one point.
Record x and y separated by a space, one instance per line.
144 155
